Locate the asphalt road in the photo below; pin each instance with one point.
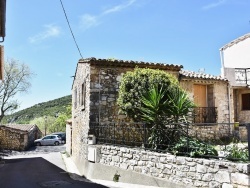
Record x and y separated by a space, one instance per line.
41 166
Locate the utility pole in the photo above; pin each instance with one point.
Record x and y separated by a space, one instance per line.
45 125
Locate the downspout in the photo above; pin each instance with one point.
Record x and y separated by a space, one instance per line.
228 87
229 102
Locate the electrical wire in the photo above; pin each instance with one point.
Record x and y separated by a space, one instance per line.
71 30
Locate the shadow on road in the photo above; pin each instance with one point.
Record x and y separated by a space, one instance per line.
39 173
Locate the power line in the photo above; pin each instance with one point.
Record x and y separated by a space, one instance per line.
71 30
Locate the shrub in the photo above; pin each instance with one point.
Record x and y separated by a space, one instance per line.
135 84
155 97
234 152
194 148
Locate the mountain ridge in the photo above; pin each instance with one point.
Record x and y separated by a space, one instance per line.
50 108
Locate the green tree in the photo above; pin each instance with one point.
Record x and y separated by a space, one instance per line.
17 78
135 84
44 123
155 97
59 124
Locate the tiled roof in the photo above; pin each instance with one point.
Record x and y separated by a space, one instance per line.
246 36
21 127
124 63
195 75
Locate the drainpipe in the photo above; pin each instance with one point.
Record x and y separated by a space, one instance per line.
228 85
229 102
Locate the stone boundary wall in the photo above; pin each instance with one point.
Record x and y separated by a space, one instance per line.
218 131
12 140
180 170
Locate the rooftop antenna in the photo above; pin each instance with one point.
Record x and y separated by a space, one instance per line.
201 70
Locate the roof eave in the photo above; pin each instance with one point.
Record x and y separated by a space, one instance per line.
130 64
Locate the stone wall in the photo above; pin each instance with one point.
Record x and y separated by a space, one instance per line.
104 93
13 140
180 170
33 134
222 102
80 111
210 132
69 138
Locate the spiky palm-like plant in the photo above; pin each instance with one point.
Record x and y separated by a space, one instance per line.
153 112
179 104
162 106
179 108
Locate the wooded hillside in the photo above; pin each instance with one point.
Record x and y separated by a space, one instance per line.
50 108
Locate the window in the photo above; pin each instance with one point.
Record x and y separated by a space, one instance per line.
246 101
200 95
83 94
75 97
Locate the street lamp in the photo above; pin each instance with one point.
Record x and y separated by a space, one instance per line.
45 125
56 116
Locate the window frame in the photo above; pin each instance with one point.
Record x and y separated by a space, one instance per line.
83 95
245 101
75 98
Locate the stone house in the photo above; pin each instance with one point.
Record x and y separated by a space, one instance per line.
95 90
18 137
235 63
94 93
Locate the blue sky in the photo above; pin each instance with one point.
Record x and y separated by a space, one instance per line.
188 33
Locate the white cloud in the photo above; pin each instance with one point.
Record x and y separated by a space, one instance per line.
213 5
50 31
119 7
87 21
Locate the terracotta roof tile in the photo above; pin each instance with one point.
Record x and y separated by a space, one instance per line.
125 63
21 127
246 36
195 75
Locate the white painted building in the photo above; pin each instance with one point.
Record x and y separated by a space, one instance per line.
235 62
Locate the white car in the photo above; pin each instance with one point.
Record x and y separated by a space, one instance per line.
49 140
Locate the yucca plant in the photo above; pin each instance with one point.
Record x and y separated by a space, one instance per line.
179 105
154 105
153 111
161 107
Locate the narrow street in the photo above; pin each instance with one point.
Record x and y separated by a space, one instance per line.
39 167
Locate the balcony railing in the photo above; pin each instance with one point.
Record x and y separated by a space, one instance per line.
205 115
242 76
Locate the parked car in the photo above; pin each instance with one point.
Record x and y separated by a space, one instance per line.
62 135
49 140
